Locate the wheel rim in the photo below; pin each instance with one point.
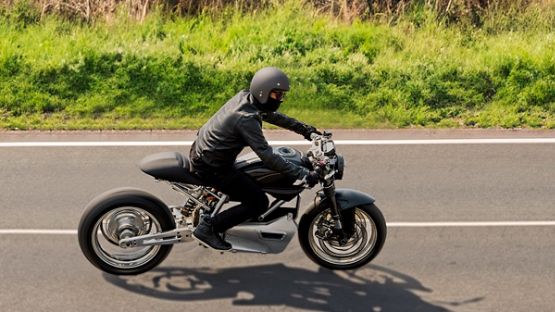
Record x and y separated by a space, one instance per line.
121 223
357 248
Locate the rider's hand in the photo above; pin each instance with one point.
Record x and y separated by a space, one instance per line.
312 178
310 131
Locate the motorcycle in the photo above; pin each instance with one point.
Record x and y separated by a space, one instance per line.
128 231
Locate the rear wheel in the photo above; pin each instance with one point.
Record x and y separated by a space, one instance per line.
326 248
122 214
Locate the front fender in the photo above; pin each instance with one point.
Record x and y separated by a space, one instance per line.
346 199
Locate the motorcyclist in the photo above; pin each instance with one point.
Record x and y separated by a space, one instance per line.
236 125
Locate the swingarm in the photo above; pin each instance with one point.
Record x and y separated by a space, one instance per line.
179 235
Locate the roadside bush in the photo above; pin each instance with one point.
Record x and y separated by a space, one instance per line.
21 14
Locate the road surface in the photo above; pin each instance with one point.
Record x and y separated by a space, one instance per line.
425 265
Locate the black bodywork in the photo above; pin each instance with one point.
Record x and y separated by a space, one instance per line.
174 167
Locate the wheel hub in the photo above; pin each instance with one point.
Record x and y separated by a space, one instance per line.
124 224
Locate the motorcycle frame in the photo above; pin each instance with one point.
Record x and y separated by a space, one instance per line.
222 199
183 233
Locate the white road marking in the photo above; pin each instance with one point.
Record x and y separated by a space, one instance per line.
38 232
448 141
296 142
471 224
389 225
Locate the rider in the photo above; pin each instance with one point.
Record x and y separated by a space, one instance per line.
236 125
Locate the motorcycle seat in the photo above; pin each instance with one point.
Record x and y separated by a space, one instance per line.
169 166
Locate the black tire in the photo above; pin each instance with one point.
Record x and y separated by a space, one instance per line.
124 197
305 234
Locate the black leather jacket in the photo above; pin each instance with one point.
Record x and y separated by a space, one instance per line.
239 124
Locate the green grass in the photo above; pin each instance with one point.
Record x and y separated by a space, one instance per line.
174 72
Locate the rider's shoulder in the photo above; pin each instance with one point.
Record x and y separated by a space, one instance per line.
246 108
248 117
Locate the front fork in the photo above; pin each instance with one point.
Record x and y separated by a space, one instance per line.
329 192
339 230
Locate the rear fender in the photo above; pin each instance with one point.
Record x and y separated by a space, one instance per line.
120 195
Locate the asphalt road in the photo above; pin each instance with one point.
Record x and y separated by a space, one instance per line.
497 268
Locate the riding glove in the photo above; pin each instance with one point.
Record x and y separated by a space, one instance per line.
312 178
310 130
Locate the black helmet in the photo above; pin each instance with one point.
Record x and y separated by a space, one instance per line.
267 79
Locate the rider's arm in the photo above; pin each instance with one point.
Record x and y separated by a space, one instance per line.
284 121
250 129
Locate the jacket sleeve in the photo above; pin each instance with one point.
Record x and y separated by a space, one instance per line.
284 121
250 129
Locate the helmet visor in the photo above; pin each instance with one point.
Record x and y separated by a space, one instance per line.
278 94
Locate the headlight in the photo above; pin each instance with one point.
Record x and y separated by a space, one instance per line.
339 167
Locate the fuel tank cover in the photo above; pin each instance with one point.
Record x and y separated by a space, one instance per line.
286 151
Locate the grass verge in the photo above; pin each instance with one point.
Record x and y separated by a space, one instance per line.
174 72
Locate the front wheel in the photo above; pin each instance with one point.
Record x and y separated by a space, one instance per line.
366 237
119 214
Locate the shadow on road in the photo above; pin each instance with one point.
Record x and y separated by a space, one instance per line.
372 288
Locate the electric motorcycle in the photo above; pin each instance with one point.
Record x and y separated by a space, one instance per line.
128 231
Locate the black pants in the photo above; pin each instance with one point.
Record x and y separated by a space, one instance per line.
240 187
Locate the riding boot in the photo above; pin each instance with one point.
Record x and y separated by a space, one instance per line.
206 234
